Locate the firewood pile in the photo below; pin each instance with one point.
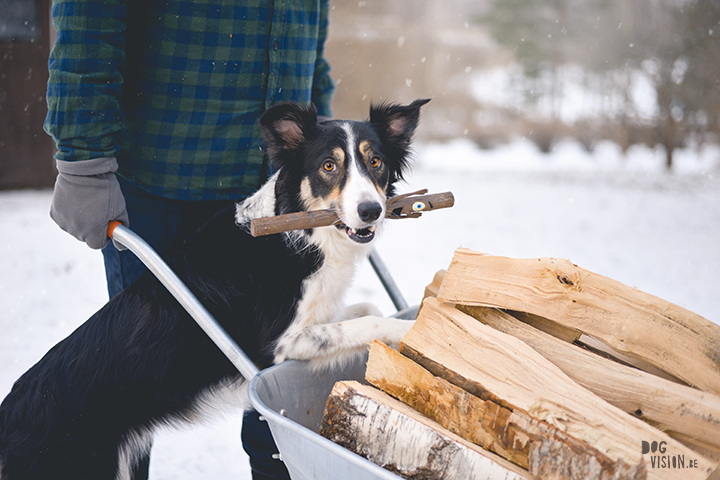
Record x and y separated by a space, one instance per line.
537 368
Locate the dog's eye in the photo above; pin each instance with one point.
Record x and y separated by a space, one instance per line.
329 166
375 162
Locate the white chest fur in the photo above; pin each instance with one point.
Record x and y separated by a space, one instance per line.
316 332
323 292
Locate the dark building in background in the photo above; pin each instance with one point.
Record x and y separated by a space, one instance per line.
25 149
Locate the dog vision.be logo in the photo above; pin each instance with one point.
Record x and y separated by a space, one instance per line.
661 458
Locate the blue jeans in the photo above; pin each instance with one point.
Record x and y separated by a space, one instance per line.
159 221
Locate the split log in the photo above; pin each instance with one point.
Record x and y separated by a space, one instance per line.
396 437
548 326
634 323
678 410
600 348
432 289
498 367
496 426
569 335
688 415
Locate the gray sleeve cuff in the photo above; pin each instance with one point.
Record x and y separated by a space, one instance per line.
85 168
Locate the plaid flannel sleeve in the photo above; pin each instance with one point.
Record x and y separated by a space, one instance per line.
85 83
173 89
323 85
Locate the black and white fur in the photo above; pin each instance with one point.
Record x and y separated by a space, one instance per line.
88 408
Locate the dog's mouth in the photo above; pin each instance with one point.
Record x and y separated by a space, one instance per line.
364 235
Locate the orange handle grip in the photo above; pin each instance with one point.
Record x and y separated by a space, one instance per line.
111 227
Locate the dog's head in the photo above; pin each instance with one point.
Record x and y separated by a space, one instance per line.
344 165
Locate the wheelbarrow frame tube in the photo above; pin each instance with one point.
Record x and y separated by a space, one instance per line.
387 281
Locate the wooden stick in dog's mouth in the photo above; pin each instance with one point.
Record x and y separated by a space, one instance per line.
408 205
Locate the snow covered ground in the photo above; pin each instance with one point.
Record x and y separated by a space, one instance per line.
623 217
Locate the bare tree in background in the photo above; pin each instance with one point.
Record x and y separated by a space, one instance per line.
675 44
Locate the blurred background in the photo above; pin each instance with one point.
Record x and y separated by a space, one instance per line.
627 71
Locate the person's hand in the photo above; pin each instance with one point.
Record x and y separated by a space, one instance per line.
87 196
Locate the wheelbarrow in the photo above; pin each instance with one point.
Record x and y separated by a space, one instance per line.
290 396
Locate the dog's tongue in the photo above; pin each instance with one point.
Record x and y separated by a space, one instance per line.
361 236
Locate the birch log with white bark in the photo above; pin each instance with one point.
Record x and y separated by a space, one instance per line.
391 434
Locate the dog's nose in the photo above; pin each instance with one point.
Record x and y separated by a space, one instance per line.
369 211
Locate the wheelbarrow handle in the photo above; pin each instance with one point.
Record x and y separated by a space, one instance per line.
184 296
387 281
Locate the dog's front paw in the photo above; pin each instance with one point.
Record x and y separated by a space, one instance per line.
396 332
361 310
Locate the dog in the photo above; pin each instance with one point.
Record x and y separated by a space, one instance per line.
88 408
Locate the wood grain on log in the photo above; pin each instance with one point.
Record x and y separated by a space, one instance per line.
396 437
675 409
632 322
508 431
498 367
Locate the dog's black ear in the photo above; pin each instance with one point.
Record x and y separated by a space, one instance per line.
285 126
397 122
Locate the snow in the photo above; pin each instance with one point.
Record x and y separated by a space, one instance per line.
621 216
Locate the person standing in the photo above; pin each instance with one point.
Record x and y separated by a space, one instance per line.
153 106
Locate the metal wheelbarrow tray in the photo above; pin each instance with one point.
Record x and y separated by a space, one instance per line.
291 396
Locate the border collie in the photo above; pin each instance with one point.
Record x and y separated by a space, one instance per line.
87 409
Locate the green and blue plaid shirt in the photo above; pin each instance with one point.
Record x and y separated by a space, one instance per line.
174 89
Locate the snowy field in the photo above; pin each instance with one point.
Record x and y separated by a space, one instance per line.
622 217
